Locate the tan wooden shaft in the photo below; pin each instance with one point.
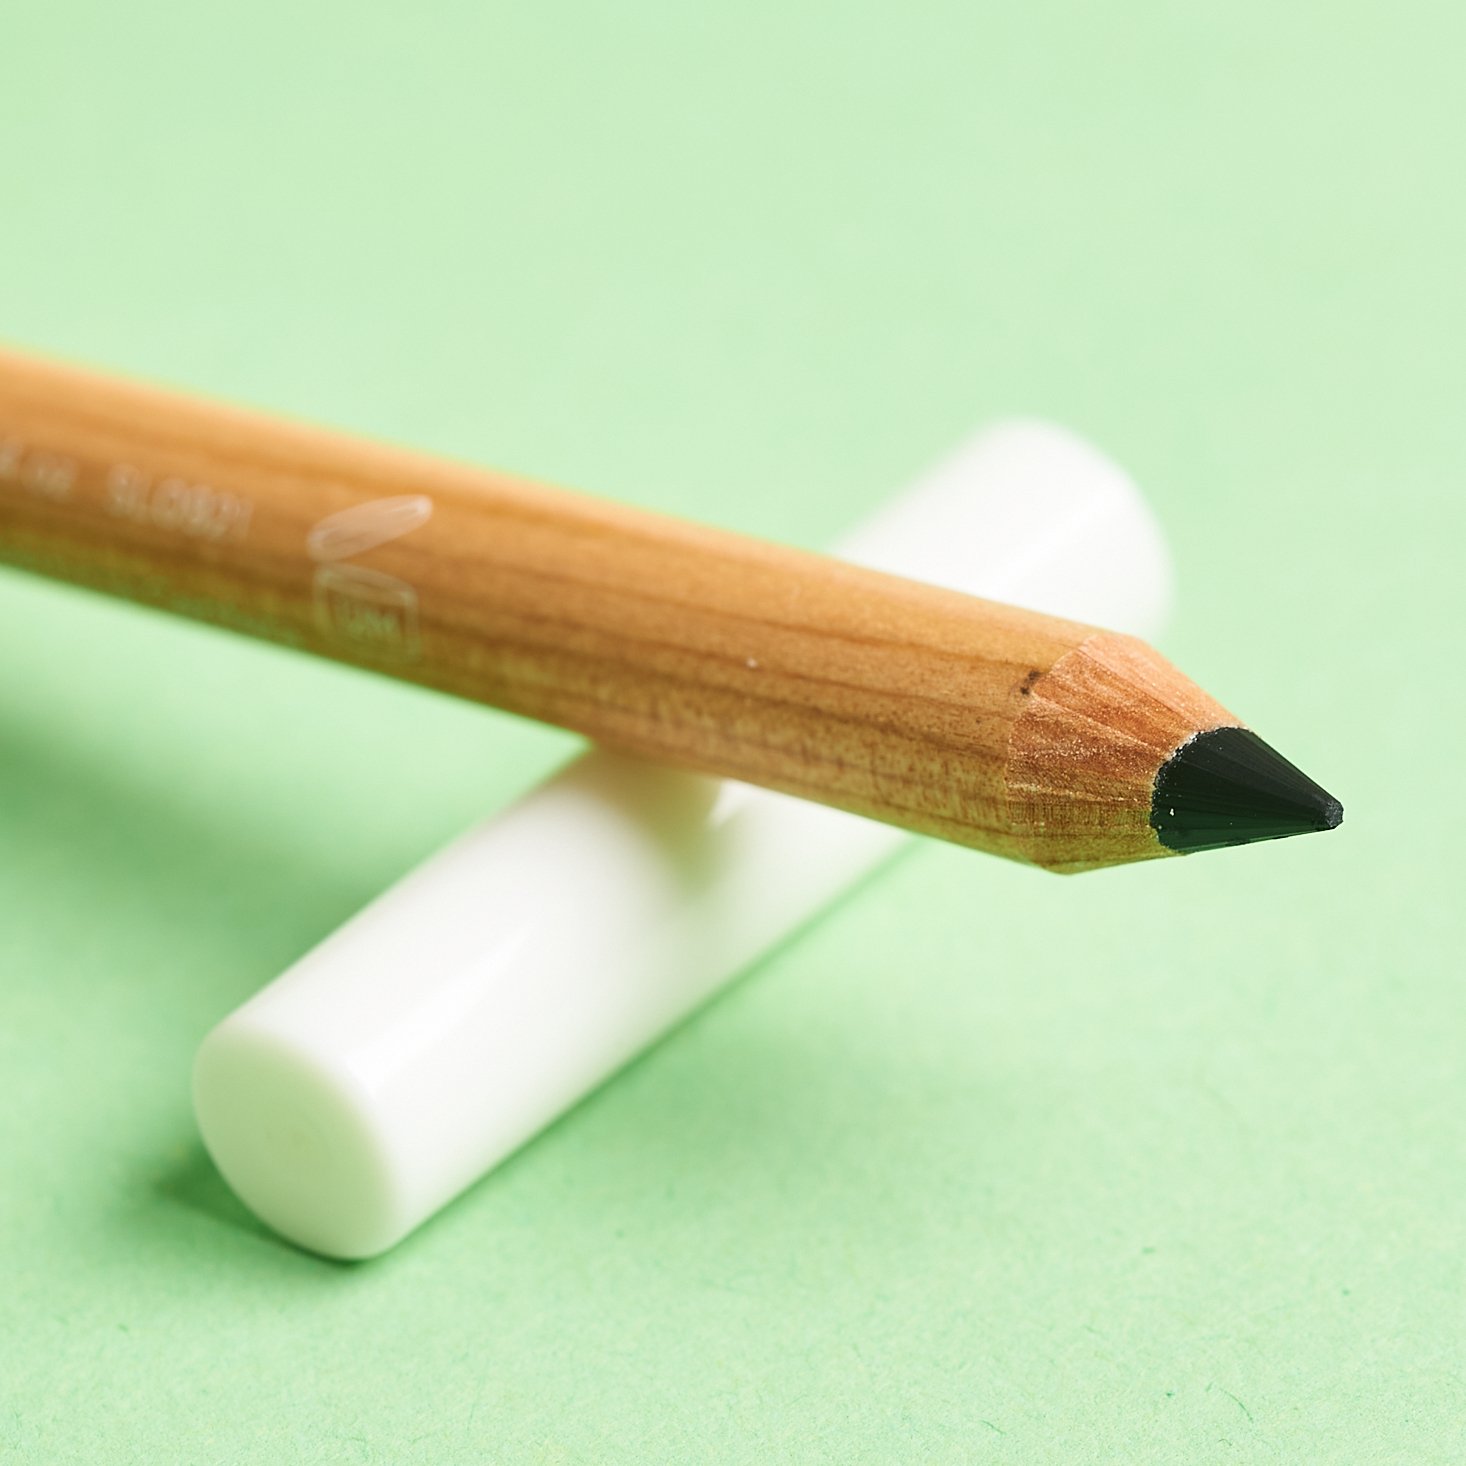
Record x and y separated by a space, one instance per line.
689 645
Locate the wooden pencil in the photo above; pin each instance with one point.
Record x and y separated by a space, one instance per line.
998 728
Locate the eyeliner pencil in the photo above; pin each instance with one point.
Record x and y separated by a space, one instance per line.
993 727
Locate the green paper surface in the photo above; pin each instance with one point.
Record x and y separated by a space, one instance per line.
1163 1164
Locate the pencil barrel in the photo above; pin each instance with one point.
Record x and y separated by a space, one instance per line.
692 646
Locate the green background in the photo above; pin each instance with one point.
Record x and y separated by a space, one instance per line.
1160 1164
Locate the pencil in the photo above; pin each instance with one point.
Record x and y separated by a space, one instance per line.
994 727
490 989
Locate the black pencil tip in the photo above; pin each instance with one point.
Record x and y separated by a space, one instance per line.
1228 787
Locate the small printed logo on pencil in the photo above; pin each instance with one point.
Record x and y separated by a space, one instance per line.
363 527
354 603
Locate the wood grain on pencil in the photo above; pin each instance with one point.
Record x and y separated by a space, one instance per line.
998 728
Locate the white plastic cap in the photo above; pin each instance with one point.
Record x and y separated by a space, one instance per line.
492 988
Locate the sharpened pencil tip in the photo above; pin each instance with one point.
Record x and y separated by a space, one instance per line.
1228 787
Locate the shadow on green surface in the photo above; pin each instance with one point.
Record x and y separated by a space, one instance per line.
195 1183
197 891
180 1212
194 900
149 909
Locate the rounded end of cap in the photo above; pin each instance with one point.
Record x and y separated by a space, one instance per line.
296 1144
